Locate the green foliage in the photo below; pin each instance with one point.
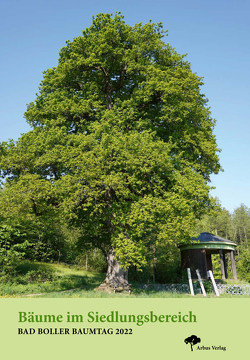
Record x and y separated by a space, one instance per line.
235 227
217 222
91 260
241 225
167 263
243 265
12 249
39 275
121 148
208 286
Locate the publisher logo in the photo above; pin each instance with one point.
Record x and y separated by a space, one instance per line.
192 340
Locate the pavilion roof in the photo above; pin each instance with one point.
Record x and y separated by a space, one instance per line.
208 241
208 237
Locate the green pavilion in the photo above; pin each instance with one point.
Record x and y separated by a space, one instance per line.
198 254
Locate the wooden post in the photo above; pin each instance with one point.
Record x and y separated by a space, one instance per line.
225 264
210 274
209 262
190 282
201 283
222 266
87 259
233 265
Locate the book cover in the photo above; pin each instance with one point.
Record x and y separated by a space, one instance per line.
118 150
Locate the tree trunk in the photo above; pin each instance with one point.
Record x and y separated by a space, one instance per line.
59 256
116 277
87 260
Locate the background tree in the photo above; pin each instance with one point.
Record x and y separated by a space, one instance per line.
241 232
241 226
218 222
235 227
12 249
121 145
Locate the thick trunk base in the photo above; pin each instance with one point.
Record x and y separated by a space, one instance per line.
116 278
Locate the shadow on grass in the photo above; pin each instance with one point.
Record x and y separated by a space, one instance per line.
27 266
85 282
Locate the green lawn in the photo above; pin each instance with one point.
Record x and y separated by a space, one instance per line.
64 281
45 278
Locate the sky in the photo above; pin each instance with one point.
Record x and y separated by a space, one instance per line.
214 34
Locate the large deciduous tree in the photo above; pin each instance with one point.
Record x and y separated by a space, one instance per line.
121 144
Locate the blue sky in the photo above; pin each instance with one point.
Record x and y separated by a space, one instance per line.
214 35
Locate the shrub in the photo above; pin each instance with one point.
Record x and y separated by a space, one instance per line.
13 249
243 265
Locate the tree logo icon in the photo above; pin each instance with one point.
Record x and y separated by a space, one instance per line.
192 340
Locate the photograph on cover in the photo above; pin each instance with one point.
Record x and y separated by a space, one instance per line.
124 193
119 182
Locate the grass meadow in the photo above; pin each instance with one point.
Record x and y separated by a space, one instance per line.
33 279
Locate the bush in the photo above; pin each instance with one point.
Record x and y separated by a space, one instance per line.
40 275
13 249
143 276
243 265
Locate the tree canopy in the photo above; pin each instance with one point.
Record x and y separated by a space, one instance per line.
121 142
